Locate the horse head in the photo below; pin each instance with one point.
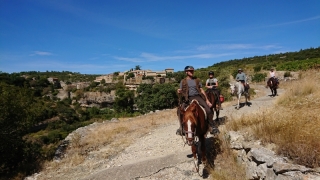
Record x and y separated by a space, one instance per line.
232 88
189 122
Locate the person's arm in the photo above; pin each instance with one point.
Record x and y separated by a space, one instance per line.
237 77
207 101
180 89
217 84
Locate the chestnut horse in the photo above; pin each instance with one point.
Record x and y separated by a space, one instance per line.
212 97
195 127
273 85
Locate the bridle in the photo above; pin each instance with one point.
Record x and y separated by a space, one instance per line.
193 140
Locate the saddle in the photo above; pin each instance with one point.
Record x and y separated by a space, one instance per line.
186 105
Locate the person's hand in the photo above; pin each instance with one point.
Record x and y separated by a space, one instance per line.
179 91
208 103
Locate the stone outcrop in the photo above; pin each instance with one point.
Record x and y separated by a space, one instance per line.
262 163
100 98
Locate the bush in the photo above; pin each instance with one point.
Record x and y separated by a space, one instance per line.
258 77
287 74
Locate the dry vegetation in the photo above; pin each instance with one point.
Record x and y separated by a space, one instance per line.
125 132
293 124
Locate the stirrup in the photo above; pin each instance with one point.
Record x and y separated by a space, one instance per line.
214 130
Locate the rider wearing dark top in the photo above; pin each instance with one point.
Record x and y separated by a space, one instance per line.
191 88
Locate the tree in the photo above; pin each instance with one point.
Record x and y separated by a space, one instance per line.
144 98
165 96
124 99
130 75
156 97
19 112
103 82
138 67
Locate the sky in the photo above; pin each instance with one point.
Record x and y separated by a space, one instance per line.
107 36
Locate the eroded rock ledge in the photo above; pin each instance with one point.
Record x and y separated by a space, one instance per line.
262 163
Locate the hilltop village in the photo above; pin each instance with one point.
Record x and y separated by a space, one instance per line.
131 79
139 77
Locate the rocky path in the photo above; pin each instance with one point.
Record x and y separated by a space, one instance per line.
162 154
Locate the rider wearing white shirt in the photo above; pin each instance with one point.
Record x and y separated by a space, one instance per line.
272 74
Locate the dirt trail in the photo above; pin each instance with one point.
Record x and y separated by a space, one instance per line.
162 155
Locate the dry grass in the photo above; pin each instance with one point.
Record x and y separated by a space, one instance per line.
293 124
226 165
102 138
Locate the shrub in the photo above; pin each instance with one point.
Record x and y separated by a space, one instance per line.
287 74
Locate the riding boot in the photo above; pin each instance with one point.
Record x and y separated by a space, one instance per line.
213 127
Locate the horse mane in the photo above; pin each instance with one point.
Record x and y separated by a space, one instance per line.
191 110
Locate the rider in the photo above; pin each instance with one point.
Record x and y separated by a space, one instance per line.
212 84
241 76
272 74
191 88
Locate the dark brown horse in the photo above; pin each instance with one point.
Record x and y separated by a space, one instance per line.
273 85
195 128
213 98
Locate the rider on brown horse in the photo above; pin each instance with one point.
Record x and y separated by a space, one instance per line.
212 85
191 88
272 74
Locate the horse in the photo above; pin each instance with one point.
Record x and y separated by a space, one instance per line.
272 83
195 127
212 97
239 89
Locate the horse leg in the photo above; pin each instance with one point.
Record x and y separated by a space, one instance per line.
195 157
203 150
238 106
217 114
194 153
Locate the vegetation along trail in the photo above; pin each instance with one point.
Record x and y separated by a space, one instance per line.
160 154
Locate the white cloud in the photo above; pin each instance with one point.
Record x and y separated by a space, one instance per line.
294 22
148 57
41 53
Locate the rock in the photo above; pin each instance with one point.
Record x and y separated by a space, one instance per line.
236 140
114 120
262 155
280 168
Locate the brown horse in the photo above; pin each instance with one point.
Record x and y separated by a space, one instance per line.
195 128
212 97
273 85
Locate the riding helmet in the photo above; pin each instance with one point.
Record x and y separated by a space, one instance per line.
240 69
188 68
211 73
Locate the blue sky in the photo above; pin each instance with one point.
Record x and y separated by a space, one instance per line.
101 37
